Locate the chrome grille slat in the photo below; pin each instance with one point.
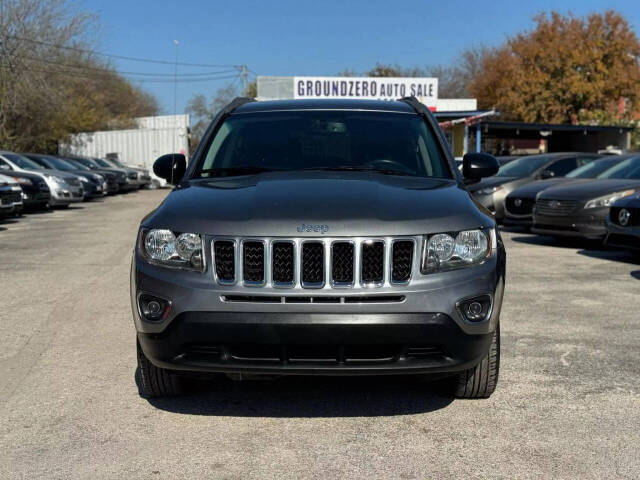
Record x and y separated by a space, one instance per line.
331 263
556 207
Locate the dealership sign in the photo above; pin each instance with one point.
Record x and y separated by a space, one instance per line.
367 88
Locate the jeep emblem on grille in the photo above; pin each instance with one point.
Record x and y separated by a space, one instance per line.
624 216
313 228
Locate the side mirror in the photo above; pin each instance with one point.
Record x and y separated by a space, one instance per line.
544 174
479 165
171 167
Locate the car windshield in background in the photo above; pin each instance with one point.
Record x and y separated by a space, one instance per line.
75 164
593 169
522 167
629 168
60 164
393 143
103 163
23 162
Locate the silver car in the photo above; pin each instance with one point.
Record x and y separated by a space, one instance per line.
65 187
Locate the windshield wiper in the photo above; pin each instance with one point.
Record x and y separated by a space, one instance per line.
349 168
234 171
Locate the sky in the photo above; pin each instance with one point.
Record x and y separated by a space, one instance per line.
303 37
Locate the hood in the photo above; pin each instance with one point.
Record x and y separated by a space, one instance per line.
632 201
490 182
531 190
590 189
5 180
341 203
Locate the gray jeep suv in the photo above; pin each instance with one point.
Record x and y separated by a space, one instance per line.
324 237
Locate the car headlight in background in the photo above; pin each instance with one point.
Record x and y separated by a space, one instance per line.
23 181
55 179
607 200
83 179
488 190
164 247
447 251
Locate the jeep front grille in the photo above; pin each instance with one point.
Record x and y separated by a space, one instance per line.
314 263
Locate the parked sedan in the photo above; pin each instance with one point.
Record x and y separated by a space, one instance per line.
127 178
143 177
119 174
580 210
111 178
134 176
35 191
491 192
10 196
93 184
65 187
518 207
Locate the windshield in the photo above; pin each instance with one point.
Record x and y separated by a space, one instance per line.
116 162
23 162
629 168
522 167
60 164
593 169
75 164
350 140
103 163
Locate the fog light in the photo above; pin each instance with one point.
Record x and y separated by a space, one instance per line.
475 309
153 308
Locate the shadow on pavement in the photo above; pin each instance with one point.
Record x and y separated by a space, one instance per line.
308 397
622 256
568 242
636 274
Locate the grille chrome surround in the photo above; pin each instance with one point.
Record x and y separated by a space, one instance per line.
329 281
307 245
370 271
241 261
394 265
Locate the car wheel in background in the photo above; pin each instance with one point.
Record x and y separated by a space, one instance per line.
481 380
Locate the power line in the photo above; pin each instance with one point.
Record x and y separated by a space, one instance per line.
96 76
121 72
121 57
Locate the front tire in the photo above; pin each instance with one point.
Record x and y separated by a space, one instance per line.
156 381
481 380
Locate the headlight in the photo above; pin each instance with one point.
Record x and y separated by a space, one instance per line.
54 178
84 179
445 251
98 178
23 181
607 200
164 247
488 191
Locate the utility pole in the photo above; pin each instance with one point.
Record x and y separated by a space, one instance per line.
244 74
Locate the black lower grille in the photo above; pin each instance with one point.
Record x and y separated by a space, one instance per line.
402 260
373 262
282 262
312 263
224 252
520 206
342 263
253 262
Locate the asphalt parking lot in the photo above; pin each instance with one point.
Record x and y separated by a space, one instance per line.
567 403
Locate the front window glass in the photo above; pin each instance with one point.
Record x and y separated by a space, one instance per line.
297 140
23 162
629 168
103 163
60 164
522 167
593 169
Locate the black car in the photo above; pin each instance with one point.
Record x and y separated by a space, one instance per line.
110 177
518 207
491 192
132 175
581 210
623 224
35 191
144 178
322 237
93 184
121 175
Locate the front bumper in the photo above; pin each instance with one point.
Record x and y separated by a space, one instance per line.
424 332
584 223
330 344
518 221
63 195
623 237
